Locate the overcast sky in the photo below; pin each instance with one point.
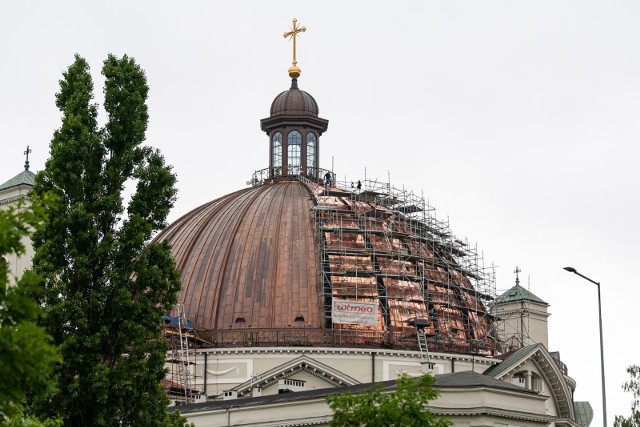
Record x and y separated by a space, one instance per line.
518 120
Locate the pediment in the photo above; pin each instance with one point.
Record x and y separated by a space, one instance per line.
545 364
303 363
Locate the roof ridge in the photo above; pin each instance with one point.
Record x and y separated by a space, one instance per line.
518 293
26 177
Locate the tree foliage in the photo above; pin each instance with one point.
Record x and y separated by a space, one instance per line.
106 286
404 407
27 356
632 386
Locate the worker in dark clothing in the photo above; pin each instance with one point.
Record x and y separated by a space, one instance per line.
359 186
327 178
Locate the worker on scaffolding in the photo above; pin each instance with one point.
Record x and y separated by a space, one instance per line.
359 186
327 178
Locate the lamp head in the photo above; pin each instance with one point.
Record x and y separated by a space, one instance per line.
571 269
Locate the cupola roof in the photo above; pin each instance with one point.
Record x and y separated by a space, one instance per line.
294 102
518 293
26 177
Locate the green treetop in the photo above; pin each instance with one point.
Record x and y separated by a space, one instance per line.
406 406
106 287
632 386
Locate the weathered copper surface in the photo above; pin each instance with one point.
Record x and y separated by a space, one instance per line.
294 102
249 259
261 267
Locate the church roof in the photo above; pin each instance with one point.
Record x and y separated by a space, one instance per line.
26 177
518 293
512 360
259 266
453 380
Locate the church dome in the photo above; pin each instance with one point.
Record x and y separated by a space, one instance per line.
277 263
294 102
301 260
249 260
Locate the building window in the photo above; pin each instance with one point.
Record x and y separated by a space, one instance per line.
276 160
536 383
299 321
311 153
241 323
294 141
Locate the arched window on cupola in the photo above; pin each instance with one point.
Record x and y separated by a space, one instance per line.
294 142
311 154
276 161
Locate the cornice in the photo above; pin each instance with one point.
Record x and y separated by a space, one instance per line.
494 412
296 351
13 199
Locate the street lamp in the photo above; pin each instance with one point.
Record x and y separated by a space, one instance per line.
604 394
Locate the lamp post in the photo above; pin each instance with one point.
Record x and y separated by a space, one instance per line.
604 394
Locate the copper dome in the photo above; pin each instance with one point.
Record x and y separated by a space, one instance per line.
249 259
294 102
263 266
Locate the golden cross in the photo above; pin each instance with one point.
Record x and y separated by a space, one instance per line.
294 71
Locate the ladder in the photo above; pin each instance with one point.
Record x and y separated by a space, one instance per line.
184 364
422 345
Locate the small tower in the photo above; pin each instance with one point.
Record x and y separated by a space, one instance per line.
293 126
12 192
521 318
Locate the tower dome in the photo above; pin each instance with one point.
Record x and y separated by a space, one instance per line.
294 102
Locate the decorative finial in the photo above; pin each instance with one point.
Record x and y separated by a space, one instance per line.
26 162
294 70
517 270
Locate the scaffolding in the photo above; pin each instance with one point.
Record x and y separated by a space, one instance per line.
385 245
181 358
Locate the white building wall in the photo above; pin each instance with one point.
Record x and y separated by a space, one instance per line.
9 198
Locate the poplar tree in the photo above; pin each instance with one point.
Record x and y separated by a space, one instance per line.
106 287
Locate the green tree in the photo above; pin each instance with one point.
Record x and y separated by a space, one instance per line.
27 356
106 286
632 386
403 407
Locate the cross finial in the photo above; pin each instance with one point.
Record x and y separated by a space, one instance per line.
294 70
517 270
26 162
